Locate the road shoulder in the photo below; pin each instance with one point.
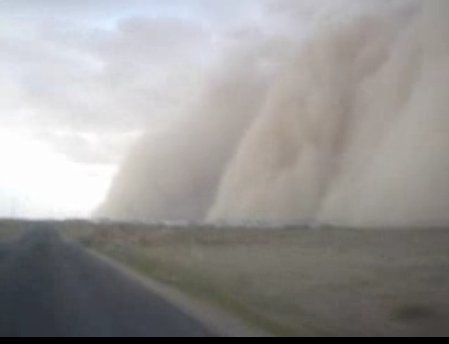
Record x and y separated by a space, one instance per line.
216 320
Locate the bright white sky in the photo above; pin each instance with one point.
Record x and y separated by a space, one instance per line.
80 79
37 181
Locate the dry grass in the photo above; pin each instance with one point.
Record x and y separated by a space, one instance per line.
10 229
298 282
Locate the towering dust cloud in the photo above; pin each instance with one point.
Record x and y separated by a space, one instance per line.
353 130
174 174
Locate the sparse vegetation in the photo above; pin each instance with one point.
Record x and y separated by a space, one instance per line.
295 281
10 229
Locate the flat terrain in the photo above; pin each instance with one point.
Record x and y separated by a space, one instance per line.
49 287
290 281
297 281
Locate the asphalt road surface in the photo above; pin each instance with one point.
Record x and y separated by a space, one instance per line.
49 287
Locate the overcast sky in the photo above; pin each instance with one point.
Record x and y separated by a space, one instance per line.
81 79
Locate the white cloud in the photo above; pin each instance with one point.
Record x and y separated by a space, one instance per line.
35 181
83 77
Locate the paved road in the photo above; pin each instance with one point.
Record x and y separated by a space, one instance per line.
49 287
